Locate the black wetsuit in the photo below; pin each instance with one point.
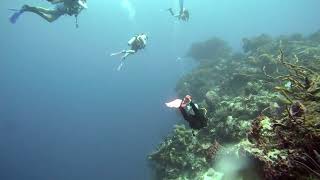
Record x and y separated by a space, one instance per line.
137 44
196 121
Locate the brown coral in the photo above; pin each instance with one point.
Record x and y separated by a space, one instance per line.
212 151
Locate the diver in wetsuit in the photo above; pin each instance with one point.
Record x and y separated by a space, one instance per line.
183 13
192 114
136 43
62 7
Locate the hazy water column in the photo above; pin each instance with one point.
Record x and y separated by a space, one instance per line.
60 99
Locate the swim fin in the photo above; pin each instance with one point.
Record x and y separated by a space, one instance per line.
120 66
174 104
13 19
181 2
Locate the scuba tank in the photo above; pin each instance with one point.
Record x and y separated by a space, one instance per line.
130 42
144 39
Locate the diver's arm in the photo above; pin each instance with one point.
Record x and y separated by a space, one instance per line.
184 113
172 13
194 108
55 1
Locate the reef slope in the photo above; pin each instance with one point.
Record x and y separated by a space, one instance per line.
263 109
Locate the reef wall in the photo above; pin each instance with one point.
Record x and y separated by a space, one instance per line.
263 109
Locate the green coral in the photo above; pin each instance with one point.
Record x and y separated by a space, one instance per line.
180 153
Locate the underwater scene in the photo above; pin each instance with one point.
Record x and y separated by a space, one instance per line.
160 90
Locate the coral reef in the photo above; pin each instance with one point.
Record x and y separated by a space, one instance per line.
210 50
295 136
181 154
263 106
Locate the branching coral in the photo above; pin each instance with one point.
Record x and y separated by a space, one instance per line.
212 151
293 132
304 83
314 166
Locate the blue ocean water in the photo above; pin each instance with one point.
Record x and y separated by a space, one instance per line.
67 114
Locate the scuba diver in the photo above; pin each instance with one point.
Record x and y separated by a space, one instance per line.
183 13
195 116
63 7
136 43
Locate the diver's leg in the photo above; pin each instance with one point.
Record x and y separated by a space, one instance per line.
127 53
125 56
117 53
47 14
171 12
120 65
181 2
